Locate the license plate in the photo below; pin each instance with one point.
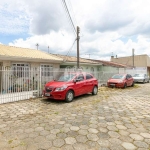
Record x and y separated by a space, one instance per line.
47 94
112 84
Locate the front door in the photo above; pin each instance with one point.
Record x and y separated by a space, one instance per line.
79 85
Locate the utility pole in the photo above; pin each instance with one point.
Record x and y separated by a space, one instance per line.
37 45
48 49
78 37
133 57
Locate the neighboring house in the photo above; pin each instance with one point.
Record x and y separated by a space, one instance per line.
113 67
101 69
139 63
23 69
70 62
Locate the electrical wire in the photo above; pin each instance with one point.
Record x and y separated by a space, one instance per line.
73 14
69 16
70 49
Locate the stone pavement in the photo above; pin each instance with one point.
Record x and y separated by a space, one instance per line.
115 119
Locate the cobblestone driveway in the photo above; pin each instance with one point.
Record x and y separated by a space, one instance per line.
114 119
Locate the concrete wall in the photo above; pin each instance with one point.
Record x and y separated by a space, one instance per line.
109 69
139 60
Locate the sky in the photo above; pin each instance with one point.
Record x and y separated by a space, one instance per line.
107 27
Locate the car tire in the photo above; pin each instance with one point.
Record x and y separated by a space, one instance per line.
148 81
69 96
132 84
125 85
95 90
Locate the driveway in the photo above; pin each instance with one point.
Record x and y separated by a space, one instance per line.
115 119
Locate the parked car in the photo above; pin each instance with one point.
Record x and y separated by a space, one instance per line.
120 81
71 85
141 78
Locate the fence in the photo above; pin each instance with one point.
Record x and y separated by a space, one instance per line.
24 83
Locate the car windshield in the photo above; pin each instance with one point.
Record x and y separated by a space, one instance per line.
67 77
138 75
118 76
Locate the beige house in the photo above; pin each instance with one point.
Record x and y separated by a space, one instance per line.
16 56
23 70
139 63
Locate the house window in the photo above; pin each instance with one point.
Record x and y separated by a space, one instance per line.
20 70
46 70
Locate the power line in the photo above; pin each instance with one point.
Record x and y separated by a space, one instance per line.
73 14
70 49
69 16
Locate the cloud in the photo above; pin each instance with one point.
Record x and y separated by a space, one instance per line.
106 26
13 21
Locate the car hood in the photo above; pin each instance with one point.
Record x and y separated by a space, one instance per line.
56 84
115 80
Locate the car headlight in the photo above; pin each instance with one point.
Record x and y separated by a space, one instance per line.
61 88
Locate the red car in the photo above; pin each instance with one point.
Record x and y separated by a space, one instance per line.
120 81
71 85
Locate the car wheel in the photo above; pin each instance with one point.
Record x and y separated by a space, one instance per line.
125 85
132 84
95 90
69 96
143 81
148 81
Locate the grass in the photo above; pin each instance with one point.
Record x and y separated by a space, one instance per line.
56 113
10 141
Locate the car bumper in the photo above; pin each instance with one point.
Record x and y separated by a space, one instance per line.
118 85
60 95
138 80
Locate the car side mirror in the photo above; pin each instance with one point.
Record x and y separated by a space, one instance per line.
76 80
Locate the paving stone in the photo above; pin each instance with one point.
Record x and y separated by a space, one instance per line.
92 137
80 146
81 138
115 141
74 128
145 135
121 127
116 147
51 137
39 139
147 141
136 137
91 130
112 128
44 132
128 145
126 139
67 147
102 129
83 132
84 127
55 131
103 143
141 144
39 129
70 140
58 142
113 134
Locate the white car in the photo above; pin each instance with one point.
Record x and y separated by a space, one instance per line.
141 78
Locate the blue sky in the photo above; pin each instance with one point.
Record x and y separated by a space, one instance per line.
106 26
